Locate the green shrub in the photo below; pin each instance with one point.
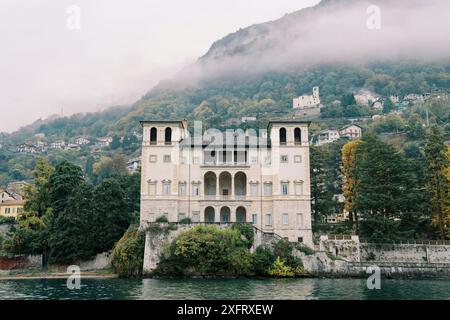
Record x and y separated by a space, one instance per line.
208 250
245 229
283 249
263 259
186 220
161 219
7 220
280 269
128 254
306 250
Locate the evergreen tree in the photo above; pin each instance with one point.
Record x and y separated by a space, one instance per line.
65 179
437 184
72 234
317 172
112 215
386 185
348 100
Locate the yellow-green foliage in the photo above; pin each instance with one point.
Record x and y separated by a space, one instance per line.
128 254
447 201
348 169
281 270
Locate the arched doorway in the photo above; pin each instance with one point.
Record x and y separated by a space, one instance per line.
240 184
225 214
210 215
241 215
210 183
225 184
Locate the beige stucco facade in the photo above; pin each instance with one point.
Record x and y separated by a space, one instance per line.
267 184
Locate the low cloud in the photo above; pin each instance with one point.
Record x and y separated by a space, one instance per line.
335 31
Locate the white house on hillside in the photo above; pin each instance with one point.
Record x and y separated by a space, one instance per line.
351 131
327 136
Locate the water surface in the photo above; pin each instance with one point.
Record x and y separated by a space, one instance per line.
186 289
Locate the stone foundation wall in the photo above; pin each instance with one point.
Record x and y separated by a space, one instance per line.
349 258
405 253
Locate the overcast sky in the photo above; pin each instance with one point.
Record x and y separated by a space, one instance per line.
120 51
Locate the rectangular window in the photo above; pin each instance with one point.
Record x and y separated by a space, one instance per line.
253 160
254 190
153 158
255 218
285 218
195 190
182 189
268 219
167 158
285 188
300 239
267 189
298 159
284 159
166 188
196 216
181 216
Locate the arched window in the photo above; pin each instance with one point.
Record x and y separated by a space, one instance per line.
282 136
168 136
153 135
298 136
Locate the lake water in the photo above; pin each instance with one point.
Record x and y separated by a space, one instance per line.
181 289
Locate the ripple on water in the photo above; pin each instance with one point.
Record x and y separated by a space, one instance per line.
234 289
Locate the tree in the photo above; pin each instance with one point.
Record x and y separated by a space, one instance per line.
109 167
30 236
72 234
350 177
89 169
325 180
388 106
112 215
38 195
447 203
115 143
437 183
386 185
348 100
64 184
317 171
63 181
